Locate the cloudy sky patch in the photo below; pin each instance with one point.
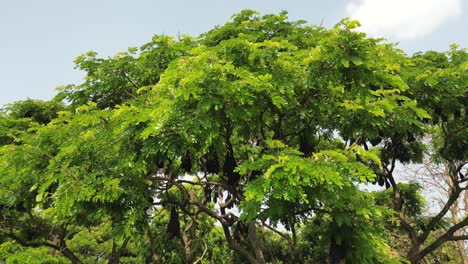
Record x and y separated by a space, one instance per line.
402 19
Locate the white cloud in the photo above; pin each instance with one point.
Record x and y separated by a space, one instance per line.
402 19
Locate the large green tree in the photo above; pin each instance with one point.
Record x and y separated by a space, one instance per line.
265 126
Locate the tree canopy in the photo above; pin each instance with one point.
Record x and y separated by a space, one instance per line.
249 143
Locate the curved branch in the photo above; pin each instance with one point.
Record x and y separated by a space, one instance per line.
204 252
448 236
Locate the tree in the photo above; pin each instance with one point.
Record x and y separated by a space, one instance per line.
265 125
438 82
437 185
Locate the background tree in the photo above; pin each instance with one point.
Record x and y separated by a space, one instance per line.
439 84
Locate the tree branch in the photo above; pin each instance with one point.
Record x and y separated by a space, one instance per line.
252 235
458 238
448 236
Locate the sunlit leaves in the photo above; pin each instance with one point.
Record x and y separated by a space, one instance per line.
285 118
300 180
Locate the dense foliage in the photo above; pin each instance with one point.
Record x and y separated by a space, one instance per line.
250 143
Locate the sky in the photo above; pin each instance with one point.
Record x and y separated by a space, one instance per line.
39 40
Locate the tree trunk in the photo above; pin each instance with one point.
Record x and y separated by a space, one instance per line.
413 254
292 245
337 252
187 241
154 256
68 253
235 246
55 242
254 241
462 252
460 244
114 257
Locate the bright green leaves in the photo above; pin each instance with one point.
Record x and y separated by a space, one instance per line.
297 180
76 164
17 118
234 82
352 106
323 186
255 28
440 80
414 201
115 80
286 110
356 87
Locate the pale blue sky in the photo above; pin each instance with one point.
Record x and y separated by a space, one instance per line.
40 39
